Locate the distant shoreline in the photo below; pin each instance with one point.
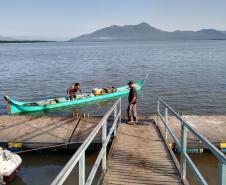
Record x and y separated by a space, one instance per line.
24 41
105 41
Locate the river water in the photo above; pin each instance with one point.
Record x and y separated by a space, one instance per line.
189 75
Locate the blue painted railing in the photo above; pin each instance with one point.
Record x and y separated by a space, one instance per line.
79 156
182 145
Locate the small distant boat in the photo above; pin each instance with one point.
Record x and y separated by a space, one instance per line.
14 106
9 165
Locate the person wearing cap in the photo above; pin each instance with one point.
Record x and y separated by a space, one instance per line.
132 107
72 90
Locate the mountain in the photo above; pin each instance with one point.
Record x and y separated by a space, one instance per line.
144 31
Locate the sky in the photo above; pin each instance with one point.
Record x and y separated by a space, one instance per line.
64 19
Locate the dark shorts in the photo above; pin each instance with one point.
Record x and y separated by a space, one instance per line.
72 96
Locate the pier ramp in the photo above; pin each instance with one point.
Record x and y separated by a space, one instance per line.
139 156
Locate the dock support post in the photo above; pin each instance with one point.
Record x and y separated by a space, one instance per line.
183 150
222 177
115 115
104 136
82 169
166 122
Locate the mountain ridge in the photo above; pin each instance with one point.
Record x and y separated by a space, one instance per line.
144 31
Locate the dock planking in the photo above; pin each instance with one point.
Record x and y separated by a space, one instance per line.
213 127
140 156
39 131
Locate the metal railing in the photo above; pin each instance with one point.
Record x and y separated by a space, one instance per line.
182 145
79 156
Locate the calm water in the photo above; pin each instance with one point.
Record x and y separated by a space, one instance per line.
189 75
40 168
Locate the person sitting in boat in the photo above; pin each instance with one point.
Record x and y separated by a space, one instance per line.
72 90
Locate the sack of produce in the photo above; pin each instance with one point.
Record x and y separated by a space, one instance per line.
110 90
97 91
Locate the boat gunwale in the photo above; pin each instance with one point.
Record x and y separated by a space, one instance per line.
28 108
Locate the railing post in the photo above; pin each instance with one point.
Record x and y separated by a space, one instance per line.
115 115
158 112
222 177
82 169
104 135
166 122
120 110
183 150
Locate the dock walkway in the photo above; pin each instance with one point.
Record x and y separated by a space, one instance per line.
42 131
140 156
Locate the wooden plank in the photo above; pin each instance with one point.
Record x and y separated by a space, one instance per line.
140 156
38 131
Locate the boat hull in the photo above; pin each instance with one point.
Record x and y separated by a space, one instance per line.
10 164
14 107
9 178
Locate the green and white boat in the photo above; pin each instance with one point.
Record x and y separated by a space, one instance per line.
14 106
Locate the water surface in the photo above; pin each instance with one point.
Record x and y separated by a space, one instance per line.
189 75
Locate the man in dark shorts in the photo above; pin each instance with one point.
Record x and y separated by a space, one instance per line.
132 107
72 90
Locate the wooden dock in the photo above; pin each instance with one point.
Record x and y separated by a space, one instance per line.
213 127
41 131
139 155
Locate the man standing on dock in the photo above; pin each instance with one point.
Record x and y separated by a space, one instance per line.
132 107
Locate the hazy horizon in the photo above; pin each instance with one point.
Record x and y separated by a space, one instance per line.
58 20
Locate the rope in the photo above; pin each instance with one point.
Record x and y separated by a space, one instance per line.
48 147
72 133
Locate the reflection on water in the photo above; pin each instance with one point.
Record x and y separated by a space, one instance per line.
208 166
40 168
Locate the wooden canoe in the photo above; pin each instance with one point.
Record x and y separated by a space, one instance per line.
14 106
